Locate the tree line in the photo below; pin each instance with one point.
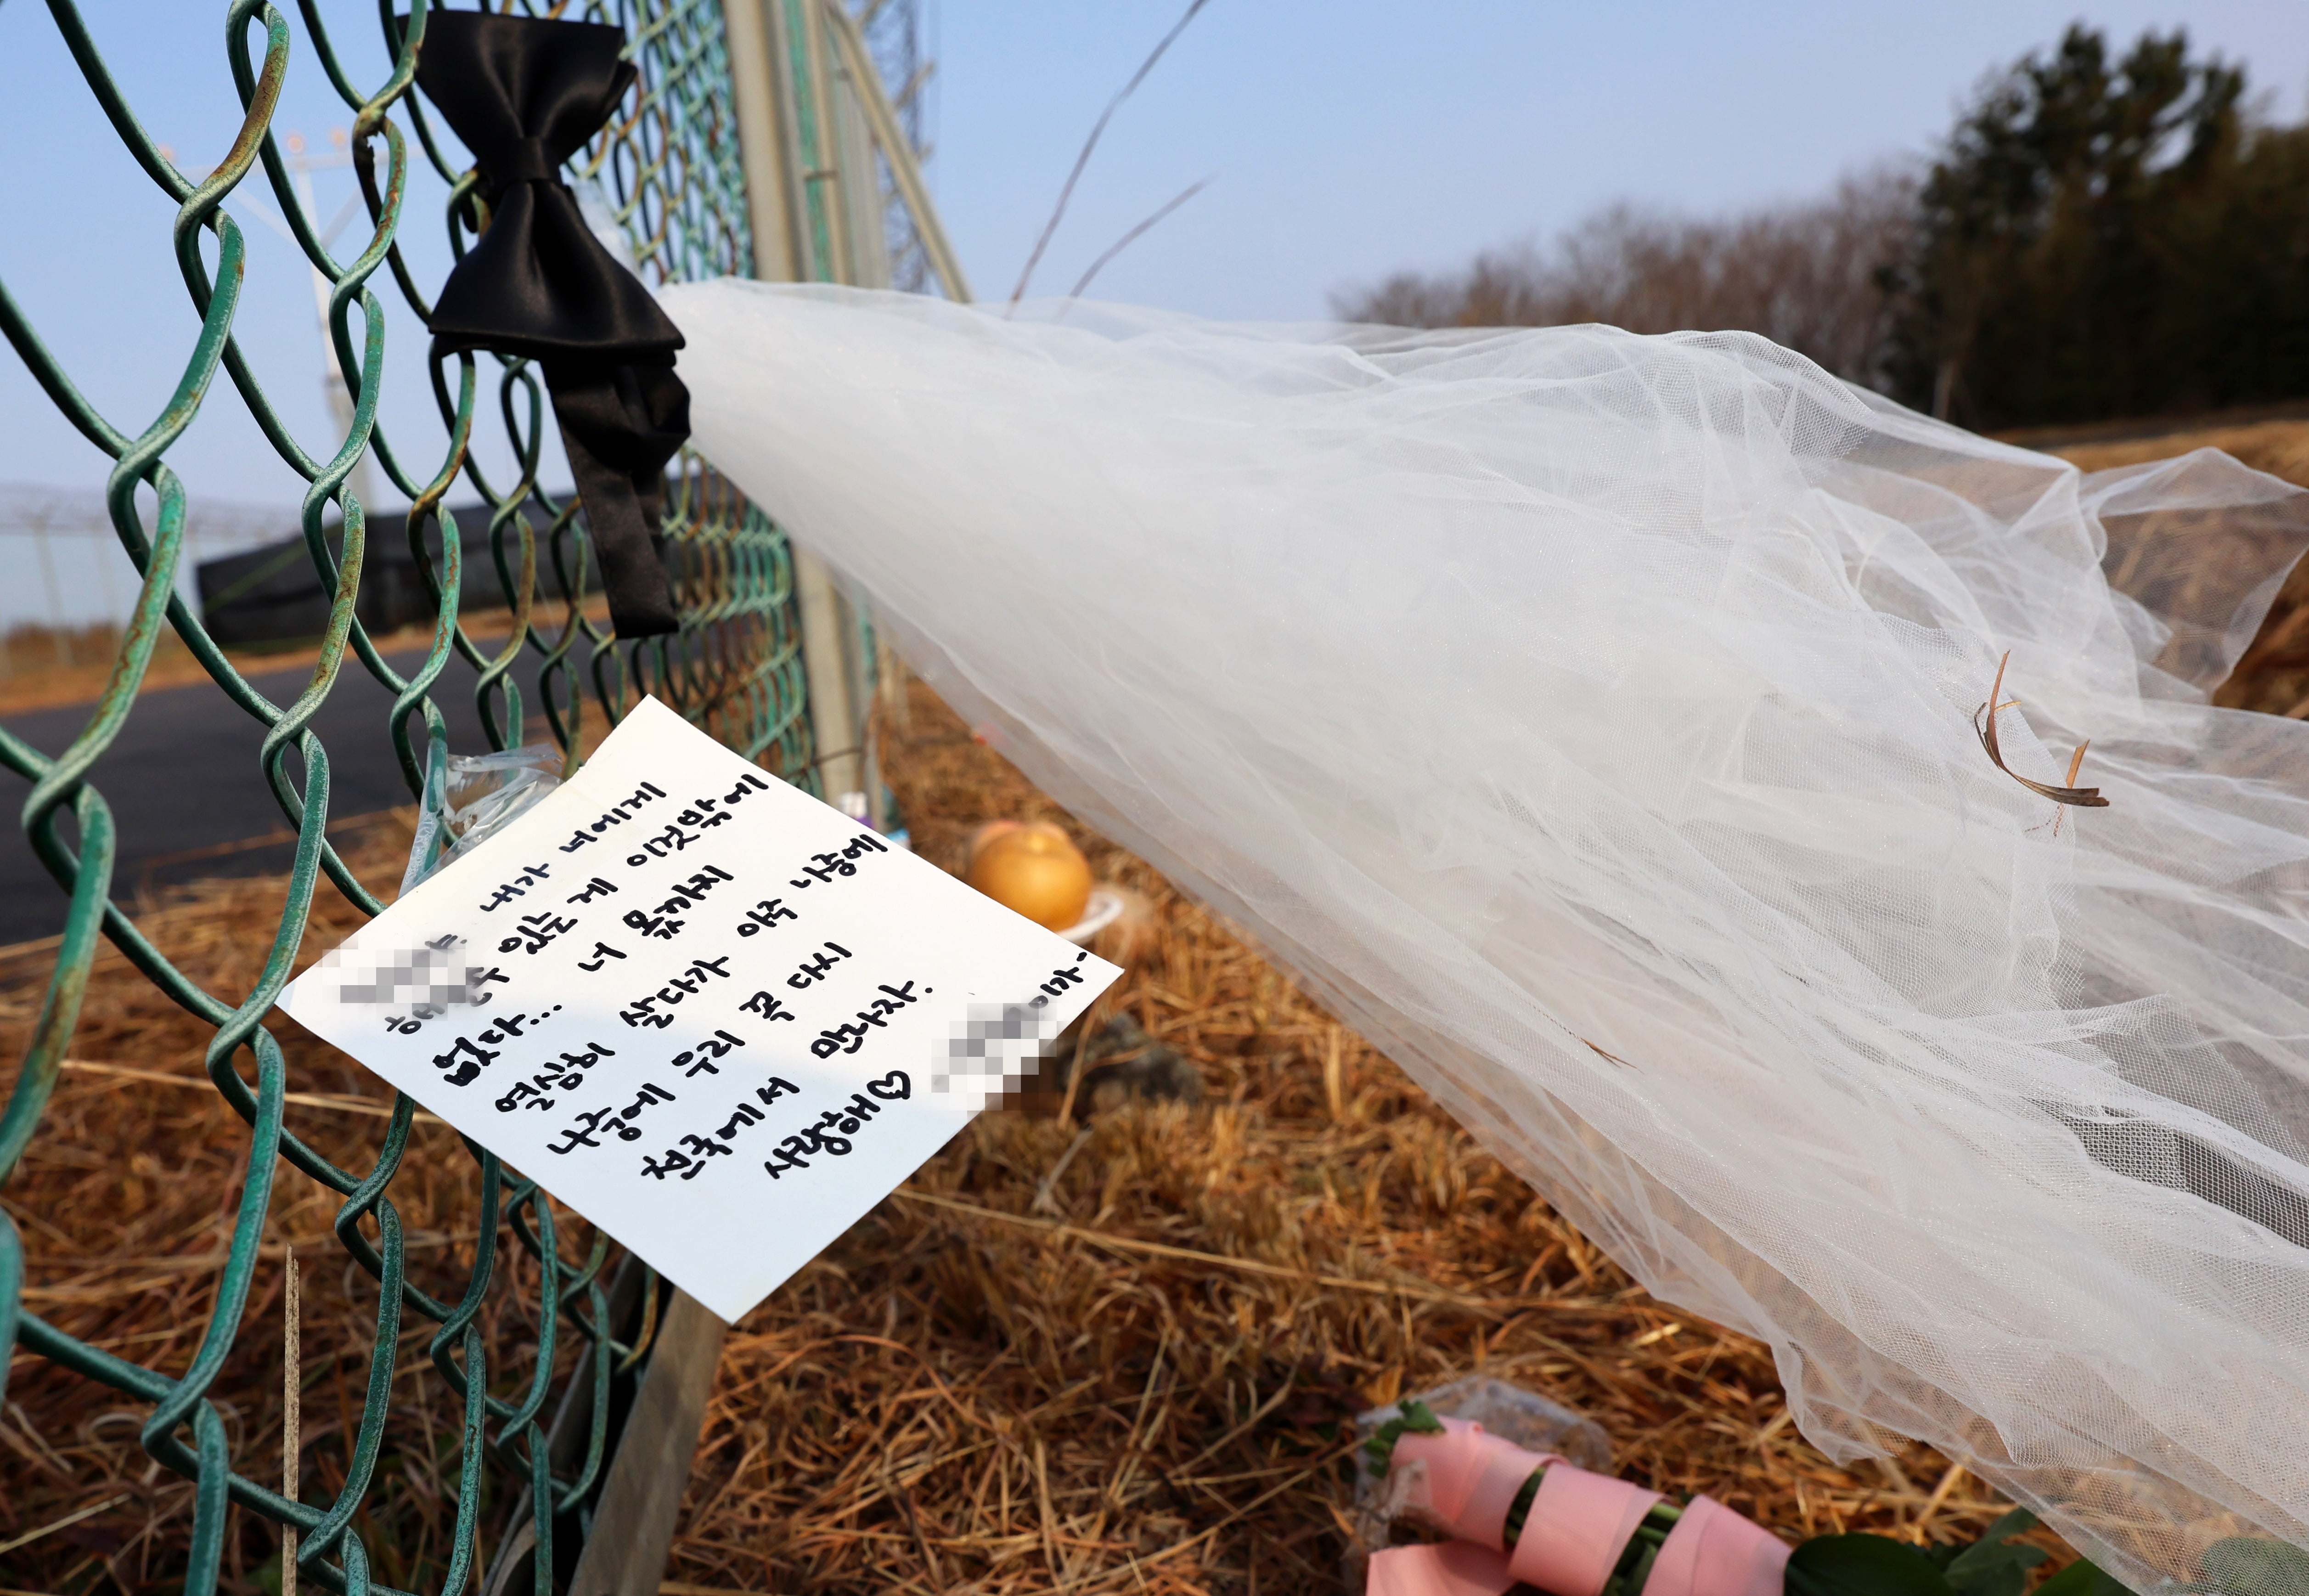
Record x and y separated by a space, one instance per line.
2100 235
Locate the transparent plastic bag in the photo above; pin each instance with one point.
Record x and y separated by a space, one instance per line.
469 797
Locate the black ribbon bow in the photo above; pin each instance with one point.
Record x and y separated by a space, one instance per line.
524 94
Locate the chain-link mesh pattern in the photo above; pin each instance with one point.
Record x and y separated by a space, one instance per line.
670 168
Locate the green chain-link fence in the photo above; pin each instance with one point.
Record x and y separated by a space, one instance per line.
671 169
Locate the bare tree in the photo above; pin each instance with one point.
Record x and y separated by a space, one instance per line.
1806 275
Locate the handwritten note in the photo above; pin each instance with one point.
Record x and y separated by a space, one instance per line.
716 1017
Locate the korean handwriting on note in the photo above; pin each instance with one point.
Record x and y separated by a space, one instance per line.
743 1017
826 867
617 814
531 875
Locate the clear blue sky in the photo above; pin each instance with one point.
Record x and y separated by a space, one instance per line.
1348 139
1353 138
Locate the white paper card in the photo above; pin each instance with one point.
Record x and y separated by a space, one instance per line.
716 1017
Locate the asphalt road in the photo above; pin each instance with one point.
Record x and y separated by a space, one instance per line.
183 776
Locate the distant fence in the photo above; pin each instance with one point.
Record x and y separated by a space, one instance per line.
66 571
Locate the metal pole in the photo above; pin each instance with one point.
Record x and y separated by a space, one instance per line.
768 143
836 184
786 172
904 171
863 211
754 86
825 665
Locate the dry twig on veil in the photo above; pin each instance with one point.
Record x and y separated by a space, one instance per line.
2075 796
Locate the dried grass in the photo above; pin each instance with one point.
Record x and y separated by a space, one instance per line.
1112 1351
2273 675
126 1203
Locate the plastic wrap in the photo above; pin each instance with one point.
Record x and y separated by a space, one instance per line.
468 797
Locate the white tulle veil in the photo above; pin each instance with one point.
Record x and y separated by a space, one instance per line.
1590 719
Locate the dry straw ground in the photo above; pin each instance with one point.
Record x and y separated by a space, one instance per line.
2274 673
1106 1345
